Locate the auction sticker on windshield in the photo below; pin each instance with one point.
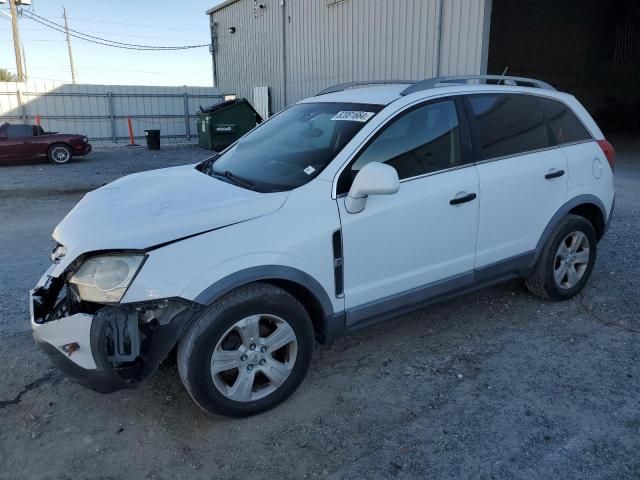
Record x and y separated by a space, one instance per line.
353 116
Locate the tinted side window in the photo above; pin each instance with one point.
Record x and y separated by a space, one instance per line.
424 140
565 126
506 124
20 131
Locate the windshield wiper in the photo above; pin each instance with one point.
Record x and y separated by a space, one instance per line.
242 182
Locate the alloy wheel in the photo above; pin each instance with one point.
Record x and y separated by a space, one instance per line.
571 260
254 357
60 154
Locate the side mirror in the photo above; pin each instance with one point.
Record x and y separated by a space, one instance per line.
374 179
3 136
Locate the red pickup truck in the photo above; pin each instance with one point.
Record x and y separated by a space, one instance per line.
22 142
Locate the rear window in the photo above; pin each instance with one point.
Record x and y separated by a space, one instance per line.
563 123
505 125
20 131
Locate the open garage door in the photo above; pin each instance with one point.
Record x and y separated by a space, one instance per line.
590 48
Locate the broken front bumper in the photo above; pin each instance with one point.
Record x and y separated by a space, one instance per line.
114 347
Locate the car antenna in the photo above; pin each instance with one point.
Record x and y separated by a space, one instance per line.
504 72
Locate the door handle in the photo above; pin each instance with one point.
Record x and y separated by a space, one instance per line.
556 174
464 199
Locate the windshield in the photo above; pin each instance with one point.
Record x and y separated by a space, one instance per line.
293 147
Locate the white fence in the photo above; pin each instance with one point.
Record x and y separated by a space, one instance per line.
101 111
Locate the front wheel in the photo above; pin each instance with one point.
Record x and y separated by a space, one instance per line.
59 154
566 261
248 352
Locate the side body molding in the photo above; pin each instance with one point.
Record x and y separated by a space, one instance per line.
335 323
514 267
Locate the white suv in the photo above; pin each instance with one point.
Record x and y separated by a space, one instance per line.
344 209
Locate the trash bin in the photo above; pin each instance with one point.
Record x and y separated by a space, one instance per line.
222 124
153 139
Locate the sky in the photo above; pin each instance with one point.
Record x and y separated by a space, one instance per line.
149 22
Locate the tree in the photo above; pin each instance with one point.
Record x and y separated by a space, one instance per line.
7 76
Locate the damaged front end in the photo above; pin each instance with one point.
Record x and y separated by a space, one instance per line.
105 347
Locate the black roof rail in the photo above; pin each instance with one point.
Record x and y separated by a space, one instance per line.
505 79
343 86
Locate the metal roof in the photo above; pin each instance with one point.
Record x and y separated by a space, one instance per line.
220 6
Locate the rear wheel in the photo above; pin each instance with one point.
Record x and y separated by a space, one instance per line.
566 261
59 154
248 352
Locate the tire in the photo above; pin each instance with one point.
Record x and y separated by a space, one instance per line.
59 154
553 276
226 330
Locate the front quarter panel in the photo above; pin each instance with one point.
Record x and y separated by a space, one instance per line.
298 237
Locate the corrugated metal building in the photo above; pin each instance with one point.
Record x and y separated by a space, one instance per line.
298 47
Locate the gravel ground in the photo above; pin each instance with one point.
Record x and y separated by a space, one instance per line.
494 385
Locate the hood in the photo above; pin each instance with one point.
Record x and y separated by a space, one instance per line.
150 208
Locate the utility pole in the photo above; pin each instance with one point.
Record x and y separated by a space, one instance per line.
66 28
24 61
16 40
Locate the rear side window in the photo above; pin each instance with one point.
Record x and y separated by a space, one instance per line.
563 123
505 125
424 140
20 131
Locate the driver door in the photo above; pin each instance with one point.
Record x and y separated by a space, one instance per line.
406 247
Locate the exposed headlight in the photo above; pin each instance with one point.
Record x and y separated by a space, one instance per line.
105 279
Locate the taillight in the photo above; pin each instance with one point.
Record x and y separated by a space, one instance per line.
609 152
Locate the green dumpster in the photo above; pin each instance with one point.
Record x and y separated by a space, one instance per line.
221 125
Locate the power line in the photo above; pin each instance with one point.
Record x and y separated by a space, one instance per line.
33 14
134 36
128 35
89 20
103 41
39 29
85 39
